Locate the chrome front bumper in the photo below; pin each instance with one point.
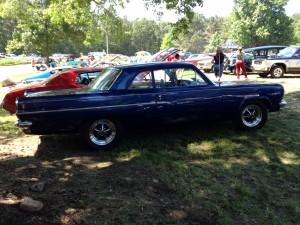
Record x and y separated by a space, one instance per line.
282 103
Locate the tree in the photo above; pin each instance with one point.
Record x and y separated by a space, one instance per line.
6 32
194 39
214 41
168 41
47 23
37 27
296 27
144 35
260 22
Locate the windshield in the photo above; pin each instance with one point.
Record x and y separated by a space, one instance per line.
287 52
105 79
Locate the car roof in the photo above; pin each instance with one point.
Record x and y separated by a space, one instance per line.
153 65
265 47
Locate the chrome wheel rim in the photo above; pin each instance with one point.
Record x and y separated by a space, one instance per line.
252 115
102 132
278 72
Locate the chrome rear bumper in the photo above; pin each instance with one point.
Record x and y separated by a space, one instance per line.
24 126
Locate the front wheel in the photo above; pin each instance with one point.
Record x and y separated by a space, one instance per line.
252 116
101 134
277 72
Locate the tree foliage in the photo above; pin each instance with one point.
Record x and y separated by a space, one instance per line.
47 23
296 27
6 32
260 22
80 26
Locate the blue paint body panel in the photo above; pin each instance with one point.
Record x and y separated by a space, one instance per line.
64 111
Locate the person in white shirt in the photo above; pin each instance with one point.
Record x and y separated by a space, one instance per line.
240 55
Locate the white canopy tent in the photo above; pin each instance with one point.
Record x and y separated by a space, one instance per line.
229 44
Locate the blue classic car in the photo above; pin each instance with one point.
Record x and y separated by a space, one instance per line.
126 96
44 75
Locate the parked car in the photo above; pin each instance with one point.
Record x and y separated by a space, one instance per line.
264 52
286 61
206 65
261 52
78 63
191 56
201 57
70 79
44 75
129 96
12 56
73 78
42 64
230 65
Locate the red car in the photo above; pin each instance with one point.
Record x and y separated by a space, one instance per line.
200 58
77 78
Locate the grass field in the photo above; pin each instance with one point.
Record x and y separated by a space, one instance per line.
230 177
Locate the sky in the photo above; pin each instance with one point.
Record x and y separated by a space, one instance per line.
136 10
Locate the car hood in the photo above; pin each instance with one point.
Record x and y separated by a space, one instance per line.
163 55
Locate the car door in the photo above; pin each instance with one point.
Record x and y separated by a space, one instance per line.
138 100
182 94
294 62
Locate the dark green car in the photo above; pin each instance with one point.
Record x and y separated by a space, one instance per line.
230 65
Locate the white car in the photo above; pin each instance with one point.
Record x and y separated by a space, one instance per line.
205 65
286 61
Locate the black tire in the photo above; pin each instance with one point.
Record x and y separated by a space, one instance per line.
251 116
43 68
263 74
234 71
277 72
102 134
206 71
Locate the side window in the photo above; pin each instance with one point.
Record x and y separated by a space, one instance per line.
86 78
177 77
273 51
82 78
142 80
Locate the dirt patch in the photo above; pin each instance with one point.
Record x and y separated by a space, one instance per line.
82 187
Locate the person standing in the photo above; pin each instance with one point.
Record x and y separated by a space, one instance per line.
218 61
176 58
240 55
32 63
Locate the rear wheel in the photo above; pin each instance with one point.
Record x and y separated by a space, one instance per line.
101 134
277 72
252 116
